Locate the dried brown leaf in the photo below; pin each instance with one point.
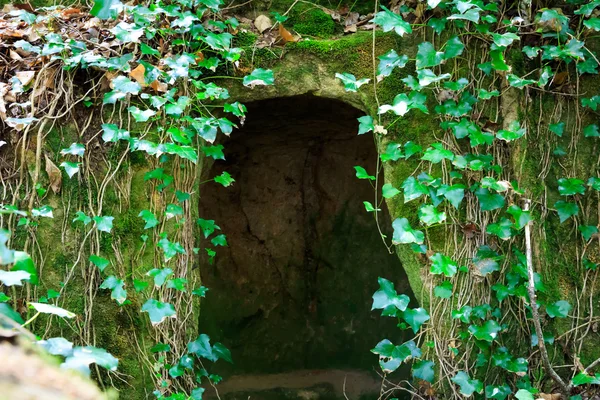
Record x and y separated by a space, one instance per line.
54 175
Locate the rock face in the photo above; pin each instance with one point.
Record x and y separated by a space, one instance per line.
293 289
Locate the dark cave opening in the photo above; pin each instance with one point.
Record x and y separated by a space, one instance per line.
292 291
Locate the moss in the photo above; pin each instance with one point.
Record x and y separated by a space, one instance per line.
314 22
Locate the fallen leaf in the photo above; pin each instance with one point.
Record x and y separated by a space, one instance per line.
54 175
159 86
138 74
25 77
15 56
286 35
262 23
560 78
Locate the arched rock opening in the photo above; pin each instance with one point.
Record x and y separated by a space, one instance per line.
292 291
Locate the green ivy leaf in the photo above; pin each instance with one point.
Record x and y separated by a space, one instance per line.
71 168
44 212
427 56
591 131
415 318
391 357
112 133
53 310
497 392
13 278
99 262
208 226
454 194
513 133
429 215
75 149
388 191
224 179
365 125
351 84
388 62
404 233
443 290
587 231
387 297
505 39
413 189
390 21
141 115
521 217
467 385
454 48
524 394
361 173
106 9
104 224
117 287
219 240
584 379
81 217
423 370
489 201
487 332
82 357
436 153
160 275
259 77
502 229
149 218
158 311
202 348
566 210
441 264
498 63
177 284
559 309
570 186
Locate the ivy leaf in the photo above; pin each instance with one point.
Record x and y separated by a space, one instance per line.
350 82
361 173
365 124
390 21
560 309
454 194
429 215
566 210
520 83
557 128
160 275
201 291
454 48
176 108
426 77
82 357
413 189
587 231
117 287
44 211
219 240
404 233
125 85
423 370
112 133
487 332
570 186
415 318
13 278
202 348
521 217
436 153
391 357
57 346
584 379
524 394
443 290
441 264
208 226
389 61
23 263
489 201
158 311
486 95
104 224
387 296
81 217
139 286
505 39
149 218
51 309
467 385
141 115
594 183
99 262
177 284
498 62
502 229
259 77
497 392
71 168
75 149
388 191
427 56
591 131
514 132
106 9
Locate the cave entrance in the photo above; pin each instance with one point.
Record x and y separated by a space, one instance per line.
291 294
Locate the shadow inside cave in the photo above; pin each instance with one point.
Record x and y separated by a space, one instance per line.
291 294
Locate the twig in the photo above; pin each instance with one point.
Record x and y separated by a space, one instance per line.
534 311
